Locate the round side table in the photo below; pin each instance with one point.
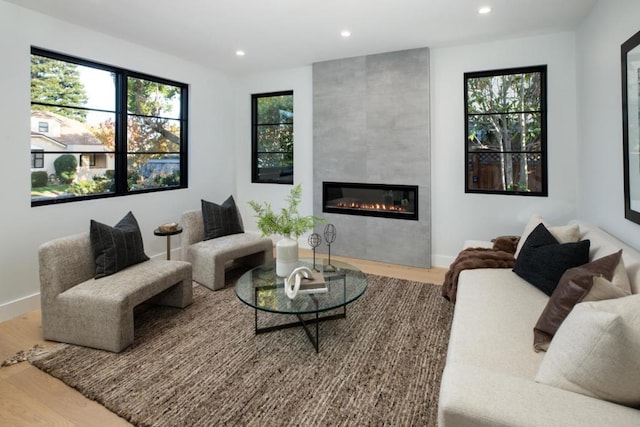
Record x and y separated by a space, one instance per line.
157 232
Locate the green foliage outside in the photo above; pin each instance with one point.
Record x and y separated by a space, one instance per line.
57 82
275 131
65 167
288 222
39 179
97 185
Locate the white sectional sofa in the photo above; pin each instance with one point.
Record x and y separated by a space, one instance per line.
490 369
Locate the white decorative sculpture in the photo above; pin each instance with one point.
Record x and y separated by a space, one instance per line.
292 283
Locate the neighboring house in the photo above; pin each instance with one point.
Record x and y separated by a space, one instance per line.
53 135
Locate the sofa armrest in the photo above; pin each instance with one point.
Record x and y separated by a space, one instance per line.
475 397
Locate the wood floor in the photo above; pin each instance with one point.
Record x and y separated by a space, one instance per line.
29 397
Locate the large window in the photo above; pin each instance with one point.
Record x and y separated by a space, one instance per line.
506 131
272 137
103 131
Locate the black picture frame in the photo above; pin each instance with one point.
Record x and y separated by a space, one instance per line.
630 60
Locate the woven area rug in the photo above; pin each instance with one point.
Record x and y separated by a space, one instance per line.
204 366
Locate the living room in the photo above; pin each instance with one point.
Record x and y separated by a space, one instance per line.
584 136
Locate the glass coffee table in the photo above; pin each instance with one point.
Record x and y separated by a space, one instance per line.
263 290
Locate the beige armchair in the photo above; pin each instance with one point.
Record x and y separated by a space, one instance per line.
211 258
98 313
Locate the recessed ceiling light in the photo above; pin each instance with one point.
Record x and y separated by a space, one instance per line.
239 52
345 33
484 10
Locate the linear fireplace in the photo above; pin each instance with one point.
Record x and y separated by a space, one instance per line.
382 200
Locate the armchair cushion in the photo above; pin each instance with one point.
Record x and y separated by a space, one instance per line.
115 248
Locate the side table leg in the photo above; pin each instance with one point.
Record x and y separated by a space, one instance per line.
168 247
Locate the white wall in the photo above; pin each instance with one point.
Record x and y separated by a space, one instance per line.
211 174
458 216
298 80
601 195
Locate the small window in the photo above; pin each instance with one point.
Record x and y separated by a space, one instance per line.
506 131
272 137
43 127
37 159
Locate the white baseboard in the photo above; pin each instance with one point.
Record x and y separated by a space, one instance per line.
20 306
443 261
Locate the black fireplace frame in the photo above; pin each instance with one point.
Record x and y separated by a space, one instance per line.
413 216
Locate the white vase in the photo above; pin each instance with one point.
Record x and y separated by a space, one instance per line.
286 256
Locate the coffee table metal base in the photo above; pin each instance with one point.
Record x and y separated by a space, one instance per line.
315 340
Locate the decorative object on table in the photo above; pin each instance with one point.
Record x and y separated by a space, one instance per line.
169 227
168 230
329 236
314 241
287 223
304 280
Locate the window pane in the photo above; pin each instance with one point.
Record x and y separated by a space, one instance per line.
275 167
504 132
500 94
147 171
278 138
152 134
66 176
150 98
65 83
275 109
505 172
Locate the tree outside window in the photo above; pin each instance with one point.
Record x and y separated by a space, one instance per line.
125 131
272 137
505 124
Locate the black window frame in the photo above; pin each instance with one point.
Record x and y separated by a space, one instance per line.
542 69
255 124
121 115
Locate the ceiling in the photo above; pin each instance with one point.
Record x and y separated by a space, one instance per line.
290 33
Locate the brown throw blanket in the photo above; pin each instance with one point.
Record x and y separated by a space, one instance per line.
472 258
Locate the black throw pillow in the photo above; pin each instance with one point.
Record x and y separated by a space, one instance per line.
220 220
116 248
542 260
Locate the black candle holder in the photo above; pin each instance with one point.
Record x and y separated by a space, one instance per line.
329 236
314 241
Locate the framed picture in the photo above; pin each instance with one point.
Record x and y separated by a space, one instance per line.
631 126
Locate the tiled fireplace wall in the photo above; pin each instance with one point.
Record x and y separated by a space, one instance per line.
371 125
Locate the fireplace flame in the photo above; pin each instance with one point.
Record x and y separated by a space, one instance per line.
371 206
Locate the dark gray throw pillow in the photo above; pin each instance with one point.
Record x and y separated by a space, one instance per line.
116 248
542 260
220 220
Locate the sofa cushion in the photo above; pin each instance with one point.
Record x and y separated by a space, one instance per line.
115 248
542 260
595 351
572 288
563 233
492 323
220 220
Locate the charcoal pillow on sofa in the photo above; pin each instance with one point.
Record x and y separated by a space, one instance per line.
542 260
588 282
220 220
117 247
